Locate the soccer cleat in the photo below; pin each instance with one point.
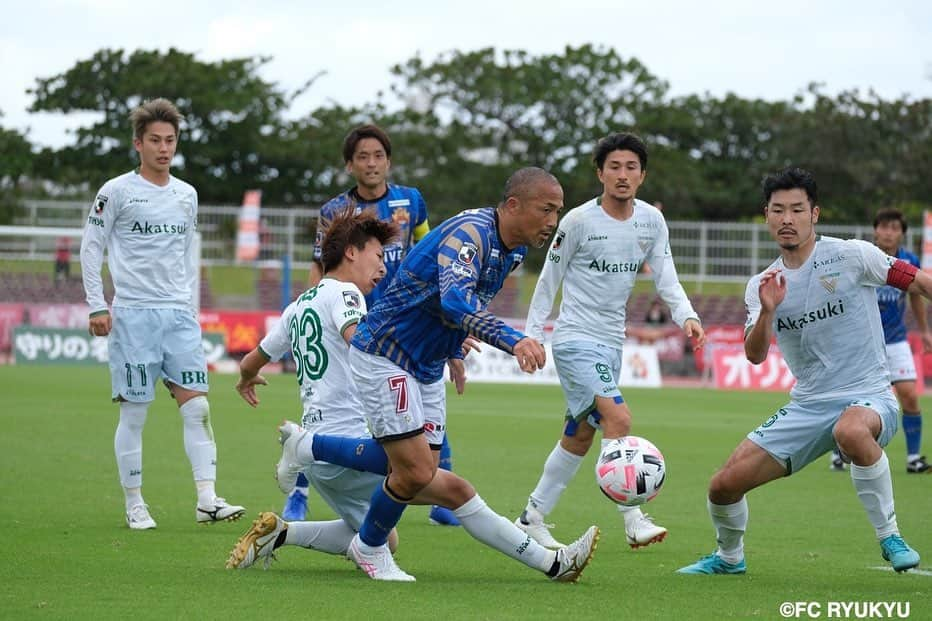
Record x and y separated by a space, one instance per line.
295 507
898 552
441 516
918 466
574 557
713 564
538 530
138 517
286 472
258 542
642 532
378 565
218 511
836 462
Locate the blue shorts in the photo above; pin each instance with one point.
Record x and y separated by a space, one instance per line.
147 344
799 433
587 370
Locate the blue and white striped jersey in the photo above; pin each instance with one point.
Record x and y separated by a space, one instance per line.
440 295
400 204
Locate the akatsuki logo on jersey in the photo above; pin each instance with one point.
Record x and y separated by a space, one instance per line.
467 253
351 299
99 203
558 240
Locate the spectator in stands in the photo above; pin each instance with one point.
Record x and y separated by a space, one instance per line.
656 314
62 259
146 219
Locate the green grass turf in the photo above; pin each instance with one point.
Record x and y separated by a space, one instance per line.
68 555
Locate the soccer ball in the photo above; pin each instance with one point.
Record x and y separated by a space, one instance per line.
630 471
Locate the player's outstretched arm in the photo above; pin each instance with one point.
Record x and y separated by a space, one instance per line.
249 376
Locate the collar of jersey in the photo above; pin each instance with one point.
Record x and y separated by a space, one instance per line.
354 194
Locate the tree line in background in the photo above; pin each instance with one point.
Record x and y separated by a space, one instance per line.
468 119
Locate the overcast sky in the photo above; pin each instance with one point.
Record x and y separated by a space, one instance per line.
755 49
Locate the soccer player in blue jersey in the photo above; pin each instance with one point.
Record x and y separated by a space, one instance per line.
889 230
367 152
818 298
437 299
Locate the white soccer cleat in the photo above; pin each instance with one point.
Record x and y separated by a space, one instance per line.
258 542
138 517
538 530
378 565
642 531
286 472
574 557
218 511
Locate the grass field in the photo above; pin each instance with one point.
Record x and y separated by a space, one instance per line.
68 555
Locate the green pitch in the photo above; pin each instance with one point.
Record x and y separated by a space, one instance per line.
67 554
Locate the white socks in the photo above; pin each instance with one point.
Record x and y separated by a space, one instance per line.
630 514
875 491
199 438
559 470
332 537
127 445
499 533
730 522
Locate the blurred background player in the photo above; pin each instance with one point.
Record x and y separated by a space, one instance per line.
889 231
147 222
351 254
813 298
367 152
597 252
398 356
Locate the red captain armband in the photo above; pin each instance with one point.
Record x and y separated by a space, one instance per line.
901 274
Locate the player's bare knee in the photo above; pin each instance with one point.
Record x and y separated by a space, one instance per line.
726 487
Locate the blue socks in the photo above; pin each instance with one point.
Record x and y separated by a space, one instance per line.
446 458
357 453
912 429
384 513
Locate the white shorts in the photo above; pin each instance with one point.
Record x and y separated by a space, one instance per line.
799 433
396 405
346 491
586 370
900 362
146 344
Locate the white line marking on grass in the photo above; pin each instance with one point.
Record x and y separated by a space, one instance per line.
918 572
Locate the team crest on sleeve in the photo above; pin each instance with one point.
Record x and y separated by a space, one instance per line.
467 253
99 203
558 240
351 299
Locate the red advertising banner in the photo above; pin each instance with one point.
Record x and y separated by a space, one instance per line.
733 371
242 330
11 315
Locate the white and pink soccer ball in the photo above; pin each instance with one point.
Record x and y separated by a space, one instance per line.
630 471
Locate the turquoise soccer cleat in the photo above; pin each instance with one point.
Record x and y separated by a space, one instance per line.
713 564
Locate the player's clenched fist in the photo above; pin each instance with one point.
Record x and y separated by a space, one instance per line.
530 354
99 325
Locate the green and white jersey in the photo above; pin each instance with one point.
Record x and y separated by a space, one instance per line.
597 258
148 232
311 328
828 326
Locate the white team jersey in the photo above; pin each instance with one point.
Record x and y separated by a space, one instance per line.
311 328
597 257
148 232
828 326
